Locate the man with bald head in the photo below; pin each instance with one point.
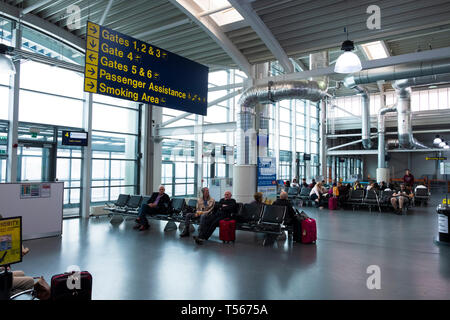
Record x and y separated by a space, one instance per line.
284 202
224 209
158 204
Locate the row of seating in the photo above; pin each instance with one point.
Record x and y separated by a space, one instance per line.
361 197
262 218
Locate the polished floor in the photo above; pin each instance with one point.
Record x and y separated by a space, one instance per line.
127 264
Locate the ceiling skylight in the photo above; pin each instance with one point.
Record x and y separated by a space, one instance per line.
375 50
222 17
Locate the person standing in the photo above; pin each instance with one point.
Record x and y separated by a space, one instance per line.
205 205
158 204
408 179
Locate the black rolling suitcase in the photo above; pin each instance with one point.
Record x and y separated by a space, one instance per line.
63 288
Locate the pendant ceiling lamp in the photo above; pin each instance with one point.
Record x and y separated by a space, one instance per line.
348 62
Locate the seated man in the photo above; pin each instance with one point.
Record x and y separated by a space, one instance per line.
304 183
290 213
158 204
400 199
205 205
225 208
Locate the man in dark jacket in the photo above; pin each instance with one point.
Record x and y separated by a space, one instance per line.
224 209
284 202
159 203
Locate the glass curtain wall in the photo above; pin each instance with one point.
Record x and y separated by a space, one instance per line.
51 99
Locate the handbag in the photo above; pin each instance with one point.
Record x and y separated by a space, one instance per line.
42 289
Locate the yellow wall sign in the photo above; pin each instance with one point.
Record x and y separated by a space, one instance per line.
10 240
436 158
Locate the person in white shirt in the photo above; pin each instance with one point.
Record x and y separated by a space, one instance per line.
316 193
294 183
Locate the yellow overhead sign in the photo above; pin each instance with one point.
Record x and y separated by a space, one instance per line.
123 67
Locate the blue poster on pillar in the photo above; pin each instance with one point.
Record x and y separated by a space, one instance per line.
267 171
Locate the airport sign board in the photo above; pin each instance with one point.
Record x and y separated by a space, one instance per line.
124 67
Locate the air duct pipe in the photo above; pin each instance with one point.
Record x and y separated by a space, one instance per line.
405 71
365 117
381 135
404 120
244 173
246 142
382 170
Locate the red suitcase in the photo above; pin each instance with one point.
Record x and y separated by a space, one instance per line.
227 230
332 203
309 231
63 289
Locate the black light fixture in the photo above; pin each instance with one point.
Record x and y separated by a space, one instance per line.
348 62
437 139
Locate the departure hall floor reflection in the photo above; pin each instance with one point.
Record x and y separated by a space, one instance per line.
154 264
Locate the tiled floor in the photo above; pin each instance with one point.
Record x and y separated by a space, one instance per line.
127 264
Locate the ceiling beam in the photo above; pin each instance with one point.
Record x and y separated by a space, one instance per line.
436 54
105 13
163 28
246 11
214 31
210 104
42 25
34 6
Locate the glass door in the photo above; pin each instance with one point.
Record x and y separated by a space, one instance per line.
36 162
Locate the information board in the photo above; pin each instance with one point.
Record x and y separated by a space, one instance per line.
10 240
124 67
74 138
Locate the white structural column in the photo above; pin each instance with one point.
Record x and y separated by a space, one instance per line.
247 12
155 155
13 112
198 150
323 139
146 129
193 11
87 156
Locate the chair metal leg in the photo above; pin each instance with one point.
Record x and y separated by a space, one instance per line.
282 236
116 219
170 226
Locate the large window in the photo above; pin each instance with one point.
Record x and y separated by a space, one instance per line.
114 148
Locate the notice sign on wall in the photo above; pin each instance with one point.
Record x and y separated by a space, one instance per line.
124 67
10 240
35 190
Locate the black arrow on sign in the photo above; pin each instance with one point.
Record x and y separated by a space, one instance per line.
94 30
91 57
91 85
93 44
92 71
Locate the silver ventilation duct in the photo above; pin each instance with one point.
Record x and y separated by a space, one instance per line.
399 72
404 120
365 117
283 90
381 135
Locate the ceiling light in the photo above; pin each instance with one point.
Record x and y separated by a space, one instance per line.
437 140
348 62
6 64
